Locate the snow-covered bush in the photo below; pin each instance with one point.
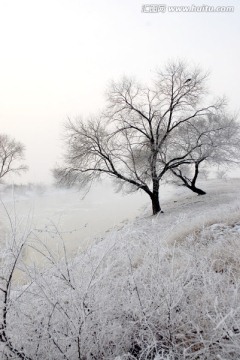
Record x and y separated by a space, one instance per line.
137 294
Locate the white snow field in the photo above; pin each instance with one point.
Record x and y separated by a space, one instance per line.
162 287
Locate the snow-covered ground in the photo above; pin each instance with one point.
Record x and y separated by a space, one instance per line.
162 287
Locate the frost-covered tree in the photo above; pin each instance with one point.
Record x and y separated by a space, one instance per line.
133 140
11 156
215 140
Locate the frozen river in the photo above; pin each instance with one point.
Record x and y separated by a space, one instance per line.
52 217
51 214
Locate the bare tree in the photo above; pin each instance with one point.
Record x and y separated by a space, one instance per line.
11 155
215 140
133 140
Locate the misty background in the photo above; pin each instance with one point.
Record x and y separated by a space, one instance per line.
58 57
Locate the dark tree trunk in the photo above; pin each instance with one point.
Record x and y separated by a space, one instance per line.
196 190
156 208
154 196
191 183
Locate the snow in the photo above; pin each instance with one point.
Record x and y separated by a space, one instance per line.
164 287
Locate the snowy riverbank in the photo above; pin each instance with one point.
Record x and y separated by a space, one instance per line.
164 287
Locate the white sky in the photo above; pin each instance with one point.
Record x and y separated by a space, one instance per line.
57 57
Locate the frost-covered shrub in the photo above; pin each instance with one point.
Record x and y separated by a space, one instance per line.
134 295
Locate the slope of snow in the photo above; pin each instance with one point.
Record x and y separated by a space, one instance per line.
162 287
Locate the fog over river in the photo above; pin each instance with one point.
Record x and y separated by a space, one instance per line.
51 214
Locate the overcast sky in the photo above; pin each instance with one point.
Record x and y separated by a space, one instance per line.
57 57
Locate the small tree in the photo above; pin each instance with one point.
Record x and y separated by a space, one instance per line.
133 140
11 155
218 140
